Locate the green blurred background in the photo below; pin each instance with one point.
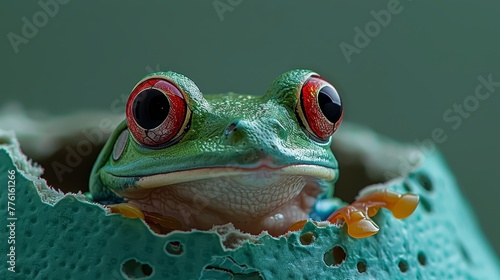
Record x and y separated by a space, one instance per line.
425 59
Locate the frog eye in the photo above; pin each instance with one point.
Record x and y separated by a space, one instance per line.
157 114
319 108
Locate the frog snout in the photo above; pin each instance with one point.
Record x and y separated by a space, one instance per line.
254 132
239 132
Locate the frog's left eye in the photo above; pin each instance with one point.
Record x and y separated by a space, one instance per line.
319 108
157 113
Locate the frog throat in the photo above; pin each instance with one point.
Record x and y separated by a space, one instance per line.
253 200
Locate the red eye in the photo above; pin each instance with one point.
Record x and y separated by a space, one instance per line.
157 113
320 108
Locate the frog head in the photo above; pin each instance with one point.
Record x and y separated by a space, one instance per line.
259 162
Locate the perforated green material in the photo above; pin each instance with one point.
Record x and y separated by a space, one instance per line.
66 237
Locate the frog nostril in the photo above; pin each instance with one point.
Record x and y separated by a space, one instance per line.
232 127
236 133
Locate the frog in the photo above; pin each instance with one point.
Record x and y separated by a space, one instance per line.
183 160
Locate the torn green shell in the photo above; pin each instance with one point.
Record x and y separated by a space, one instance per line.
62 236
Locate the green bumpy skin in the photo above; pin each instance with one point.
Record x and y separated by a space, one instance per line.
62 236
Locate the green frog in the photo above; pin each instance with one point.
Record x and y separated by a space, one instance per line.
182 160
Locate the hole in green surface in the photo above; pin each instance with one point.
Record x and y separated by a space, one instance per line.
307 238
83 267
335 256
464 253
174 248
133 269
147 269
403 266
406 186
361 267
424 181
425 204
422 259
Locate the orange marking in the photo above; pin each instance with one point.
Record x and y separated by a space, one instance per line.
357 215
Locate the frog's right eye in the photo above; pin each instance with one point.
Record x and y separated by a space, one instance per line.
157 113
319 108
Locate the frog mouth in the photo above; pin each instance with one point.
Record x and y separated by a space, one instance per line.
249 176
273 197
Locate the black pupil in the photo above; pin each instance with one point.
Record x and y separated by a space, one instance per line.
150 108
329 103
